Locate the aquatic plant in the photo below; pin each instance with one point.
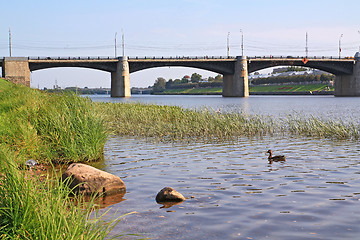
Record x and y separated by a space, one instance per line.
171 122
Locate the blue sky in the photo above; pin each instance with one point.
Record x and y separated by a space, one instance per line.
172 28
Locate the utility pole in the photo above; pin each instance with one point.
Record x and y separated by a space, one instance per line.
123 43
115 44
340 45
228 47
306 48
242 42
359 45
10 42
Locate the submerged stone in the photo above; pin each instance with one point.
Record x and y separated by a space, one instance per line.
168 194
86 179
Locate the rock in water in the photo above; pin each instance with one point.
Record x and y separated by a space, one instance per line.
169 194
86 179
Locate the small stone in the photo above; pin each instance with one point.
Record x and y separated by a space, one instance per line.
31 163
86 179
169 194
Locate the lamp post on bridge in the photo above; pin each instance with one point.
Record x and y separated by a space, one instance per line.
228 47
359 45
242 43
340 45
115 44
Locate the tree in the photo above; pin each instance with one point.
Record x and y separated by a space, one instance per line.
177 81
195 78
168 83
219 78
211 79
185 79
159 84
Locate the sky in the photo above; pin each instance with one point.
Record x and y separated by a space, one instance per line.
82 28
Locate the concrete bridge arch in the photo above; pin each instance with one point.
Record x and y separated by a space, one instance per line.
334 66
234 70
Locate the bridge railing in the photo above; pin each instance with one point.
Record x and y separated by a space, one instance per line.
72 58
297 57
188 57
181 57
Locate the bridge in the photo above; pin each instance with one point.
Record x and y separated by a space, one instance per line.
235 70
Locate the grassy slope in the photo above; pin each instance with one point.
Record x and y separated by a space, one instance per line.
46 127
282 88
289 88
49 127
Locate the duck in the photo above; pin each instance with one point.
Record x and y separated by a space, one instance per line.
279 158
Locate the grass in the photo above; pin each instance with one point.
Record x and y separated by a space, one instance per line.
49 127
33 209
262 88
193 91
67 128
175 123
290 88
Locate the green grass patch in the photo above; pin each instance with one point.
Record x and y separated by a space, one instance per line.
193 91
262 88
49 127
34 209
290 88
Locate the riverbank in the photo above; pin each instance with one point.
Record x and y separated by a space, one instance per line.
295 89
50 129
64 128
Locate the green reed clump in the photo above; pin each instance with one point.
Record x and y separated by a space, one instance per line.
319 127
171 122
34 209
49 127
178 123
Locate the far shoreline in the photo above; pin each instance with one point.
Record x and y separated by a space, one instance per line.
251 93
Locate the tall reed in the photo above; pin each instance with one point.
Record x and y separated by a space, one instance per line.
50 127
32 209
171 122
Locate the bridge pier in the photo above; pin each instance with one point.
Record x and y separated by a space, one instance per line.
349 85
16 70
120 79
237 85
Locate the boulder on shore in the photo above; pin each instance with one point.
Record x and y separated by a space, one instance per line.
86 179
168 194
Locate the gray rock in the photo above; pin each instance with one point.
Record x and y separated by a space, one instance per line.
169 194
86 179
31 163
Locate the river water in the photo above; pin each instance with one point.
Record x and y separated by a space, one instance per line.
232 192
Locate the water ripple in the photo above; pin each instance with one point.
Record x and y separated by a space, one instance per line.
233 193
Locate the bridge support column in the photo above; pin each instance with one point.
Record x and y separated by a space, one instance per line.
16 70
348 85
237 85
120 79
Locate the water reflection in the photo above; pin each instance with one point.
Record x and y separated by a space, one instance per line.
345 108
235 193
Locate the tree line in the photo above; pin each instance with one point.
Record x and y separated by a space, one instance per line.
294 79
195 81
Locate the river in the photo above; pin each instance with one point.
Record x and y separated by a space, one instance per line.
232 192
